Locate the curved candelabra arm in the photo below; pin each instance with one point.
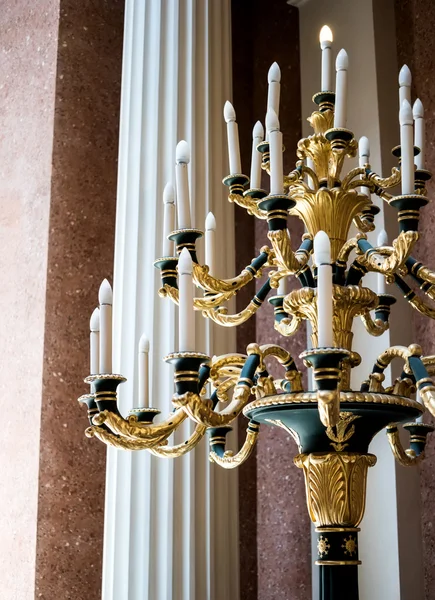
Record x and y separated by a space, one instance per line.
183 448
382 182
373 259
411 297
375 327
206 303
418 438
298 183
423 275
285 257
132 428
288 326
120 442
221 317
204 280
226 458
351 176
249 203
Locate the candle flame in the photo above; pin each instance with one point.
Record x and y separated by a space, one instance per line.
326 34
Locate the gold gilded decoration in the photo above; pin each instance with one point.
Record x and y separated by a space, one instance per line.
407 458
350 546
335 486
323 546
230 460
375 327
397 254
285 257
343 431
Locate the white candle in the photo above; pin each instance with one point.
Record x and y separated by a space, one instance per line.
364 158
310 165
94 327
210 243
233 139
186 329
405 80
168 219
105 298
283 287
382 241
419 132
419 399
407 148
274 89
257 138
341 65
183 197
276 160
325 310
143 379
326 39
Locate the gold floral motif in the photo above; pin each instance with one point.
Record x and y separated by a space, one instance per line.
335 486
342 432
350 546
322 546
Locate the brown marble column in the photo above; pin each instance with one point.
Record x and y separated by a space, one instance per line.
80 254
60 65
276 553
415 22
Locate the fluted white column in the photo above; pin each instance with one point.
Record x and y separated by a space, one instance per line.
170 525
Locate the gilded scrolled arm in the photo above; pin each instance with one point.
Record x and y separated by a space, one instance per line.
183 448
121 442
222 317
383 182
230 460
250 204
132 428
407 458
397 254
411 297
285 257
351 175
206 303
363 225
375 327
288 326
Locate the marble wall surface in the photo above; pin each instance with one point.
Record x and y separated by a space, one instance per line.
80 255
415 21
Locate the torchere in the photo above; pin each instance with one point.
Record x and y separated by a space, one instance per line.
331 424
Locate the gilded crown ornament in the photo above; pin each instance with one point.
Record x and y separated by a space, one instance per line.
331 423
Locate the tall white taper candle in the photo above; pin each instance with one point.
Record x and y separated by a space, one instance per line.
144 369
186 329
405 80
233 139
94 326
105 298
276 159
325 310
257 138
182 157
341 65
326 39
168 219
210 243
283 287
419 132
406 148
382 241
364 158
274 89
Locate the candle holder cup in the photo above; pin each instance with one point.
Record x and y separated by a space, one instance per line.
105 387
186 238
168 270
277 207
324 100
408 207
186 373
236 183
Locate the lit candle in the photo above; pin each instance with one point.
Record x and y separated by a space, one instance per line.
257 137
210 243
405 80
233 139
105 298
382 241
183 197
186 329
274 90
94 327
143 385
168 219
325 310
364 158
326 39
406 148
341 65
419 132
276 161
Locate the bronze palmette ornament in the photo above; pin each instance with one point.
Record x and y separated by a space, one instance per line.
331 423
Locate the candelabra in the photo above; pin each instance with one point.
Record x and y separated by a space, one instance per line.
331 423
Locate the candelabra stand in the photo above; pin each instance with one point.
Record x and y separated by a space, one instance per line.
332 425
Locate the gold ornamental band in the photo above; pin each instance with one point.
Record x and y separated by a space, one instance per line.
337 529
180 379
217 440
337 563
100 394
